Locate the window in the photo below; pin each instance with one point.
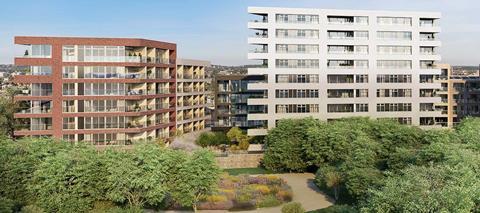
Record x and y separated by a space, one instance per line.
340 108
405 21
394 78
69 89
41 70
297 63
340 79
394 64
294 93
394 107
296 33
394 35
69 72
361 107
300 78
361 78
383 93
296 108
41 89
294 18
362 93
69 123
340 93
68 106
41 51
394 50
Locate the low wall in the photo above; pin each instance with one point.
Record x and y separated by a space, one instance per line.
232 161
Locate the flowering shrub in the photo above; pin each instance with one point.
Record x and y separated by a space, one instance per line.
246 192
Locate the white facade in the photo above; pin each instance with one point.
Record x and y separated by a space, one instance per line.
316 59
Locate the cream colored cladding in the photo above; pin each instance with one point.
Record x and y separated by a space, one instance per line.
352 57
191 95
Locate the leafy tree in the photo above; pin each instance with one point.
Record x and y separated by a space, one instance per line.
196 177
7 109
333 180
427 189
140 176
284 145
235 134
469 132
19 160
68 181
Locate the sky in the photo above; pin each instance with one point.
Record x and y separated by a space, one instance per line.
214 30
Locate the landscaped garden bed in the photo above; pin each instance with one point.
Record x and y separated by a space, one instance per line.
246 192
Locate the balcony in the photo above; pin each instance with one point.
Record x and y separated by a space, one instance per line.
159 106
35 110
428 37
428 65
135 92
347 64
428 22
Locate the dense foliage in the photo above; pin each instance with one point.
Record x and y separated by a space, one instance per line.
235 138
212 139
370 164
53 176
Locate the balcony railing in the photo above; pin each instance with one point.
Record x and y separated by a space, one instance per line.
35 110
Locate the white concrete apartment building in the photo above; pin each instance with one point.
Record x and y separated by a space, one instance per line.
330 64
191 95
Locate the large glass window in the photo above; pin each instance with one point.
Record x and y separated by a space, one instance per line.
41 51
41 70
394 35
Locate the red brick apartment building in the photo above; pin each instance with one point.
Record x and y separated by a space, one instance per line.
106 91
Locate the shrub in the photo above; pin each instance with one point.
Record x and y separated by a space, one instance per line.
212 139
31 209
293 207
269 201
6 205
226 205
337 209
102 206
284 195
264 189
243 144
216 198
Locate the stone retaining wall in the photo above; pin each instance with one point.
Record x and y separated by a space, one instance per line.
239 161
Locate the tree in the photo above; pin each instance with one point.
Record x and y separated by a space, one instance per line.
427 189
68 181
234 134
333 180
469 132
141 175
8 107
19 160
197 177
284 145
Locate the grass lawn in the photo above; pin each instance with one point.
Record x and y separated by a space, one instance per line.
249 171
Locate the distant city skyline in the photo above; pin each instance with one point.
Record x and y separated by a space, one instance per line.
213 30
